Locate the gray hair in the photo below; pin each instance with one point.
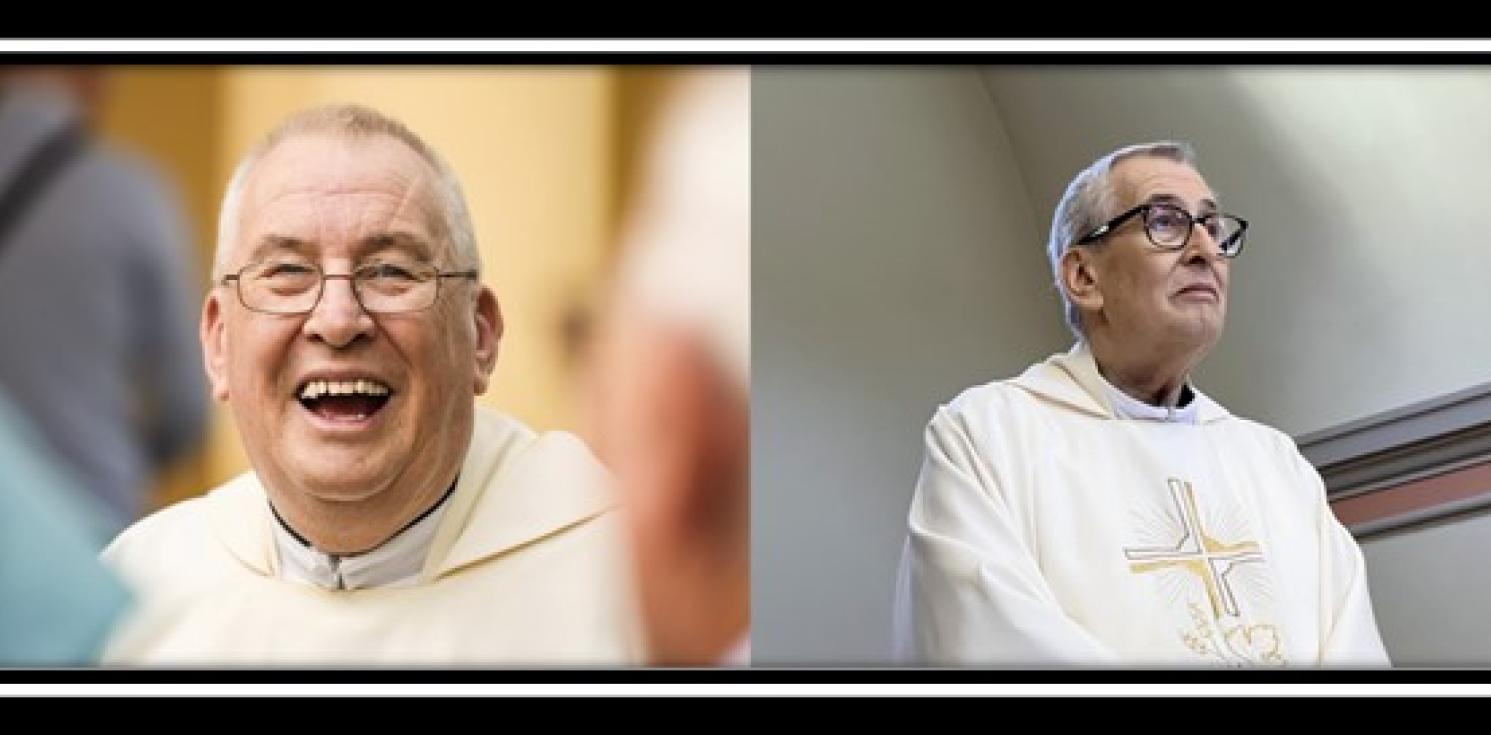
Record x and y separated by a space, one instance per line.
351 122
1090 200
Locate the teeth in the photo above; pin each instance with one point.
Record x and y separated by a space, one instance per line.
317 388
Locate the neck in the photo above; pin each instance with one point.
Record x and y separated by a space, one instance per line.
354 527
1153 374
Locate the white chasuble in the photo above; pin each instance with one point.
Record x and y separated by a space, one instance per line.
1052 525
526 567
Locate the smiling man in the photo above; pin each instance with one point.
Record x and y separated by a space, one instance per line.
387 519
1099 509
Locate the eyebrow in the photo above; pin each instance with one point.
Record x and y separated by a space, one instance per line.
405 242
274 243
1207 204
408 243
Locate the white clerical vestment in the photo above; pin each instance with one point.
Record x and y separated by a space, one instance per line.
526 567
1055 524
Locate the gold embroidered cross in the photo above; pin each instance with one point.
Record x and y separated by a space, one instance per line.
1197 553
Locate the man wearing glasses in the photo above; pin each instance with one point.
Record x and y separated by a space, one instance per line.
387 519
1099 509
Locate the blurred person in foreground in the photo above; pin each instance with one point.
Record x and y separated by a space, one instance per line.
672 381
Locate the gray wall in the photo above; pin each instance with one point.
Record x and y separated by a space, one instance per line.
1431 590
892 266
897 259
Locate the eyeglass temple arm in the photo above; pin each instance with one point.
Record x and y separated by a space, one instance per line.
1110 224
1095 234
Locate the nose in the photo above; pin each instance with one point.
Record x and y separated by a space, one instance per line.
1202 245
338 318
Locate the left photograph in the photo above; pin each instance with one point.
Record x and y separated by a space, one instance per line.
374 366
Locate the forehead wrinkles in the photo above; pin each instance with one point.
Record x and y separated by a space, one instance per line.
427 206
1138 184
344 196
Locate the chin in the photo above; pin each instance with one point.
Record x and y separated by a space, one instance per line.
1196 333
330 480
1207 337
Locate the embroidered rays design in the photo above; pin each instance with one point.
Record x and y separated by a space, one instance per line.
1199 553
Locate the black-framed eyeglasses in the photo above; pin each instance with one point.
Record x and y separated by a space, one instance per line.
1169 227
291 287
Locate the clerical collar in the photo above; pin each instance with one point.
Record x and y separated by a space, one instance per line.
396 562
1125 406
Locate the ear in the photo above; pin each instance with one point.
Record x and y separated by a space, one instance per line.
486 316
1081 278
214 336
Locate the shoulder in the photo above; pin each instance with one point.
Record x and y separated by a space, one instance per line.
130 174
995 395
563 449
515 449
182 532
562 467
985 409
126 193
985 428
164 527
1261 436
519 487
1266 446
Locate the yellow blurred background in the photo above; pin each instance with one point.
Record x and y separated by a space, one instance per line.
545 155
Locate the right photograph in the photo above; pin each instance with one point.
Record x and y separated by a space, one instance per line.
1122 366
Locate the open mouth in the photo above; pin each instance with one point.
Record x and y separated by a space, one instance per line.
344 400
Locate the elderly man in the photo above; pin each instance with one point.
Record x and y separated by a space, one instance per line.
672 409
1099 509
387 518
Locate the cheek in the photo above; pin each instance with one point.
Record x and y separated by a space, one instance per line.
1139 286
450 337
258 356
254 354
454 370
436 367
1157 280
